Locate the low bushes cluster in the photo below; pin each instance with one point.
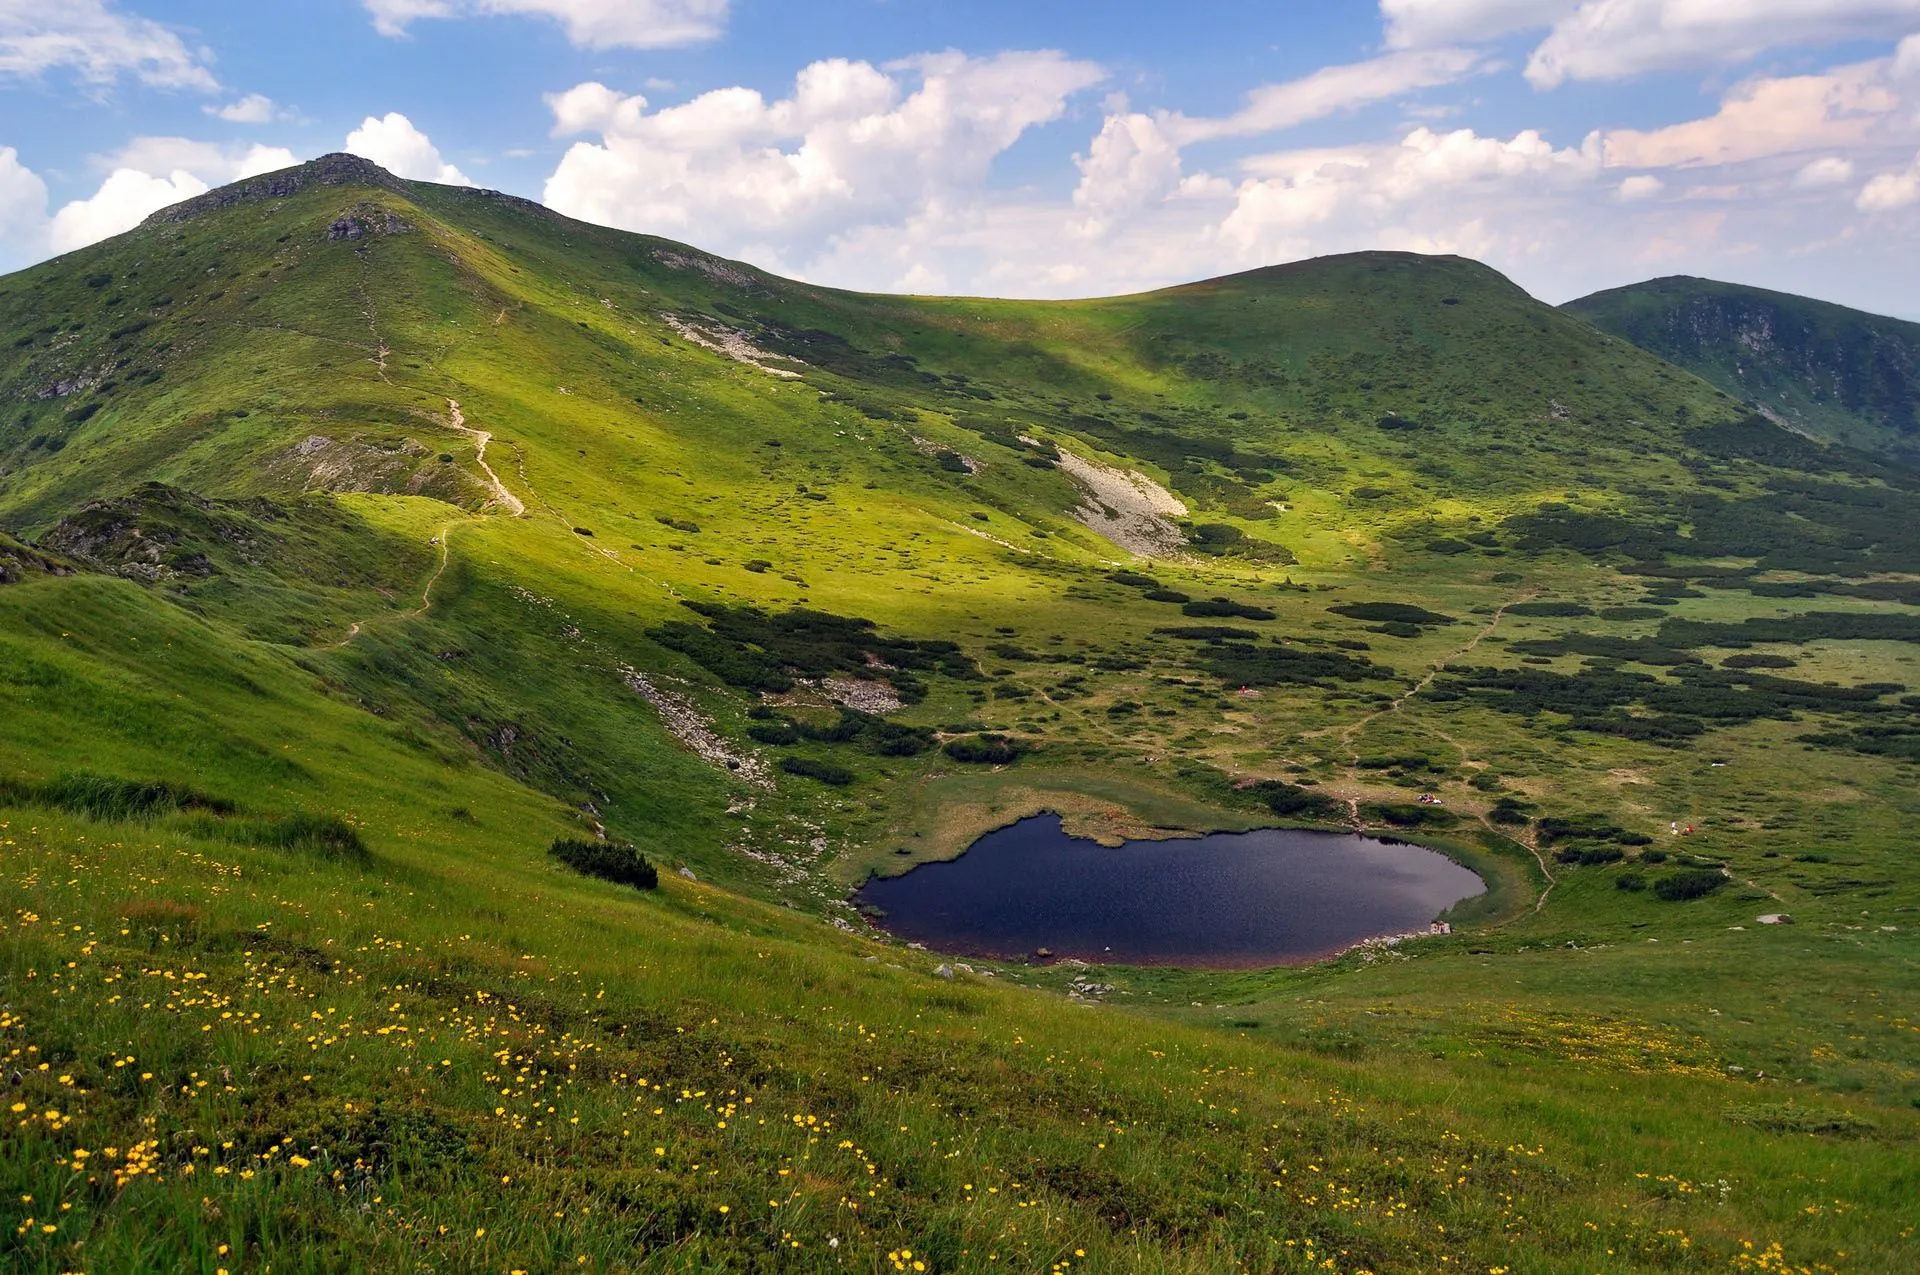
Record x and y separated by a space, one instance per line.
765 651
1225 608
868 732
1589 853
1292 801
1692 883
986 750
824 771
1408 814
614 861
1391 613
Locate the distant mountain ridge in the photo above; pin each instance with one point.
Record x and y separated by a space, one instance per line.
1817 367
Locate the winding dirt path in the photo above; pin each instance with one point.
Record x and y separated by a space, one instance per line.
445 540
1352 732
503 499
457 422
1348 735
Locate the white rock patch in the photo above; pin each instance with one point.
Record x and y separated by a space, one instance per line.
731 342
1126 507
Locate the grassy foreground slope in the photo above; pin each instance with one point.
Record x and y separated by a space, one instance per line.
351 527
1833 372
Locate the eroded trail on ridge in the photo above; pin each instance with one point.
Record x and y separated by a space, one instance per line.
503 499
457 422
1350 733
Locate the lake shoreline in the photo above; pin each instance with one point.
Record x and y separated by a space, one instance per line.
1031 891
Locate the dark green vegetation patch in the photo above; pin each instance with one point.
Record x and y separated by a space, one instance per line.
762 651
1391 613
614 861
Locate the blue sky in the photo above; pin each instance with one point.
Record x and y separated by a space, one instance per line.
1035 149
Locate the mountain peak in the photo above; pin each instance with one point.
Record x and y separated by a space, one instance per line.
337 169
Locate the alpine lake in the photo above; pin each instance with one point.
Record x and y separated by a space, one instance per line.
1225 900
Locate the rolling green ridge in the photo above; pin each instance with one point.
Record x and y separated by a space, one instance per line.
362 539
1821 368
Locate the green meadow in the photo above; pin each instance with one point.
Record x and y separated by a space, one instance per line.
363 538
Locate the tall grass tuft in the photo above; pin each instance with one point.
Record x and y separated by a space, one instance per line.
321 836
103 797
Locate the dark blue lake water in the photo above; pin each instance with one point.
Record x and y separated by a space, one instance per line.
1229 899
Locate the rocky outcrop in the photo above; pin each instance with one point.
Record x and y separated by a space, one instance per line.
22 562
328 170
366 220
153 533
337 170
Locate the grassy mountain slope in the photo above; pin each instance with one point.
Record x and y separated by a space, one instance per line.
362 537
1822 368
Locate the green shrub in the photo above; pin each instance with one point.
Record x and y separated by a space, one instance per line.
1694 883
1222 608
1590 827
824 771
1758 660
1590 853
1561 610
1390 613
1394 761
1291 801
1409 814
614 861
986 750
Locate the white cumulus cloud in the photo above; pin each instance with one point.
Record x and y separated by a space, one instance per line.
148 174
1639 187
254 108
1132 162
212 162
1370 189
23 210
1615 39
854 145
1767 117
123 201
598 24
393 142
1828 170
1618 39
1888 192
97 43
1424 23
